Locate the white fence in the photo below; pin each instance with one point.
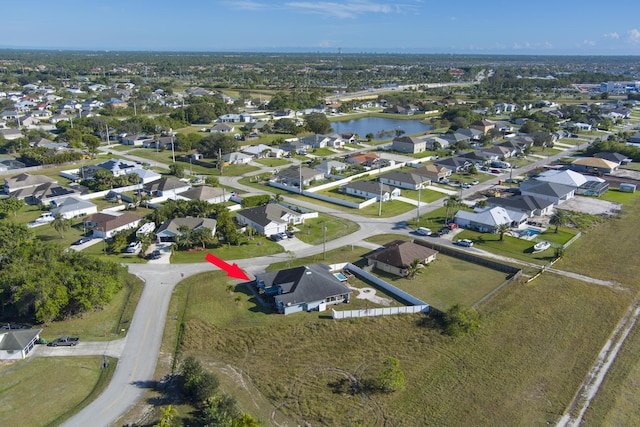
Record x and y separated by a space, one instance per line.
384 285
385 311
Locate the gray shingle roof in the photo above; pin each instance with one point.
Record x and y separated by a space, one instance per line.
18 339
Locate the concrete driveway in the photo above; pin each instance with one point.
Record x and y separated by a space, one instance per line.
94 348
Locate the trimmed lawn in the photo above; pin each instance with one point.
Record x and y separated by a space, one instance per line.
321 152
446 281
312 232
615 195
389 209
510 246
426 195
46 391
269 162
260 246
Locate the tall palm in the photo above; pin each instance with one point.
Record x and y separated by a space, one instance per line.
559 219
450 204
60 224
202 236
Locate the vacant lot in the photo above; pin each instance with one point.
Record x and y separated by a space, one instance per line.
45 391
535 344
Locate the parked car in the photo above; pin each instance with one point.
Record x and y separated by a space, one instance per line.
133 248
475 182
423 231
64 341
283 235
290 234
464 242
82 241
156 254
275 237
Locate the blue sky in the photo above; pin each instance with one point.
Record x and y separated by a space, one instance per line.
559 27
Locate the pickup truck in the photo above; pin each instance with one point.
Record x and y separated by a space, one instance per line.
68 341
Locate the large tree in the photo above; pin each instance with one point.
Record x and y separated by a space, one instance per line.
217 143
317 123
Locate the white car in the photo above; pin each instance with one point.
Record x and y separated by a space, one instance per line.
133 248
423 231
464 242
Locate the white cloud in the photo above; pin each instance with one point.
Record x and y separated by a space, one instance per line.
348 9
587 43
634 35
614 36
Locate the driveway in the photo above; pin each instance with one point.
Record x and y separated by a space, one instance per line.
95 348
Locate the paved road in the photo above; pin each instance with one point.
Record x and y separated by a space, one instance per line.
139 355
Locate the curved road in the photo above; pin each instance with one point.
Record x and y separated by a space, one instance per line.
137 363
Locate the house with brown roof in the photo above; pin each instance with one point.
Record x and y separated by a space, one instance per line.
364 159
105 224
483 126
434 172
594 165
395 257
206 193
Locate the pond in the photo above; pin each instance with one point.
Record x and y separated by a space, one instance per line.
381 128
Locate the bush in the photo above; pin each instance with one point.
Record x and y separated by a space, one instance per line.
459 320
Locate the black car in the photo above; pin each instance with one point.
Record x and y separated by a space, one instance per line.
290 234
275 237
82 241
155 254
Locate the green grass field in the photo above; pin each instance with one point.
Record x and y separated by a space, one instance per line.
73 381
312 232
260 246
510 373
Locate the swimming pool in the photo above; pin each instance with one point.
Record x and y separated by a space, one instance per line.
340 277
528 232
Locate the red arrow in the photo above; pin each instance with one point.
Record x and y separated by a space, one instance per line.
232 269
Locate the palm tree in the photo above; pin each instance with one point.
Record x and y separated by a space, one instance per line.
413 268
202 236
167 416
60 224
450 204
277 198
184 239
559 219
502 228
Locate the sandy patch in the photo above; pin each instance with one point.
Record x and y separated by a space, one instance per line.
370 294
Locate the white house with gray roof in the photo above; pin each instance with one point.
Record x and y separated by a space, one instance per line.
371 190
305 288
17 344
269 219
170 229
409 180
73 207
485 221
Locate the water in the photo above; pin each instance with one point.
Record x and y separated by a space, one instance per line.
528 232
381 128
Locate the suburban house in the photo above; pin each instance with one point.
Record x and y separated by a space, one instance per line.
409 144
370 190
409 180
16 344
167 186
105 224
261 150
293 174
483 126
44 194
530 205
136 140
454 164
269 219
117 167
487 220
73 207
395 257
478 158
8 163
222 128
169 229
296 147
145 175
208 194
498 152
321 141
565 177
594 165
551 191
618 158
434 142
303 288
331 167
434 172
10 133
236 158
364 159
24 181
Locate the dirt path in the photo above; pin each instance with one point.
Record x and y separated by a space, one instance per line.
591 384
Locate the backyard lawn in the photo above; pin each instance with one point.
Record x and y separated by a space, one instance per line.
26 392
260 246
312 232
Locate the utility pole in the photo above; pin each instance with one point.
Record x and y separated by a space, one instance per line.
324 240
418 218
300 178
173 152
380 206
